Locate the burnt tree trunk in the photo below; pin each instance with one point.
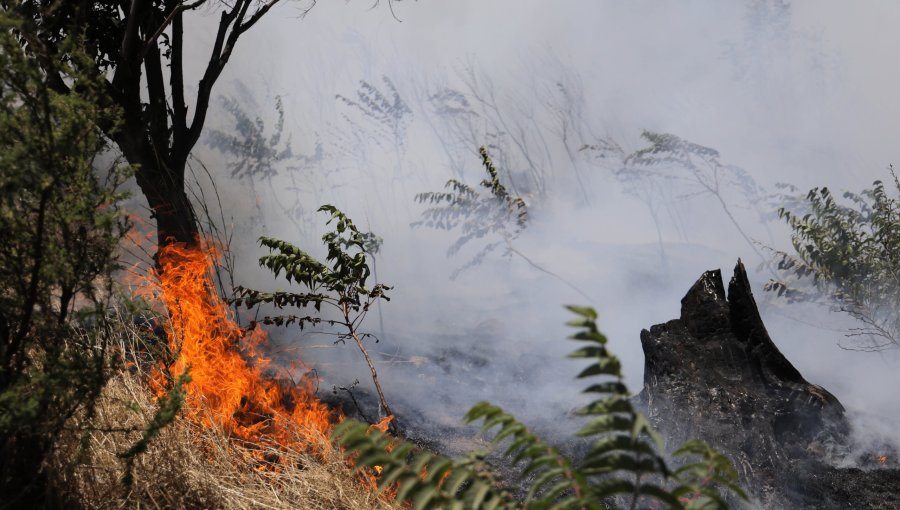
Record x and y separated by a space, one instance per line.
174 214
155 135
716 375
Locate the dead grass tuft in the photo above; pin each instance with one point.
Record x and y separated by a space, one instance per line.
188 467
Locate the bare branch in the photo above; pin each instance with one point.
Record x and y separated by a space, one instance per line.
177 10
243 27
130 40
231 26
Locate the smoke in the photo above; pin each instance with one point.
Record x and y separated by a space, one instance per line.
788 93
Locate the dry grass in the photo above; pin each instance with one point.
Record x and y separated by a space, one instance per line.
188 467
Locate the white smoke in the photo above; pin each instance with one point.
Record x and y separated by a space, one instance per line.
802 94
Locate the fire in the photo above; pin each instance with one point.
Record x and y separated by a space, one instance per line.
882 459
383 424
228 387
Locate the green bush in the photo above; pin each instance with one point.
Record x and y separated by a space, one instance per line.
623 468
847 254
61 227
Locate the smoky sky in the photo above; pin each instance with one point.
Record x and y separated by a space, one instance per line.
800 93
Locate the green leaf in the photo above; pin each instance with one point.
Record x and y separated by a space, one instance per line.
585 311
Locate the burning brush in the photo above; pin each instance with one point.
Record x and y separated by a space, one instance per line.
228 388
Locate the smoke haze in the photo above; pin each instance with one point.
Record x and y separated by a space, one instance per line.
803 94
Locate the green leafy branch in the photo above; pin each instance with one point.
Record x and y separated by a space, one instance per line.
425 479
847 254
339 283
476 215
624 466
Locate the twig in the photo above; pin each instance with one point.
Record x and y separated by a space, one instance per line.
345 309
533 264
353 398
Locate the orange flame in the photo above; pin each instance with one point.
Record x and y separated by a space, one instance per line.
382 424
228 388
882 459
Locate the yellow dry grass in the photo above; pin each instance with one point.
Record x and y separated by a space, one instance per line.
188 467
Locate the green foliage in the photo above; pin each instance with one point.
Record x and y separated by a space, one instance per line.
59 209
700 478
476 215
848 254
340 284
623 468
424 479
61 229
343 285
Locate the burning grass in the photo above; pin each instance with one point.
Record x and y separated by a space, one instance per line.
242 440
229 388
191 465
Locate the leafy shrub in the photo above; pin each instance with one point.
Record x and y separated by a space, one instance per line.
61 229
847 254
341 286
623 468
476 215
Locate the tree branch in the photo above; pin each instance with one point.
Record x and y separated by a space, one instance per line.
231 26
176 78
243 27
131 37
213 69
176 12
158 106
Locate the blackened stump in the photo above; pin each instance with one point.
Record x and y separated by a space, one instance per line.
715 374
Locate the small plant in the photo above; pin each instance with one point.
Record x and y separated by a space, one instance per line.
256 156
342 286
476 215
376 118
386 113
259 154
623 468
847 254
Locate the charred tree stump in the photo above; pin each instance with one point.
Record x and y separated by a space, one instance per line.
716 375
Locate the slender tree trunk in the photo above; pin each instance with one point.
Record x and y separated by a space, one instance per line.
160 176
174 214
